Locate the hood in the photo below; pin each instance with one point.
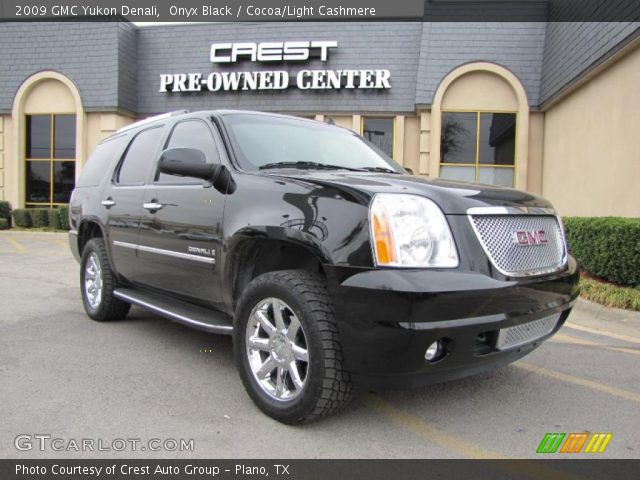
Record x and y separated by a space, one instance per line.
454 198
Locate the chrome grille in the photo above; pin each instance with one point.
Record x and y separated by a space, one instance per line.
527 332
496 234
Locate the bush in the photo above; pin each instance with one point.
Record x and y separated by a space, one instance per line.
63 213
21 217
4 223
606 247
54 218
39 217
5 210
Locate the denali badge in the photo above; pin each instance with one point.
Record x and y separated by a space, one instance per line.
526 238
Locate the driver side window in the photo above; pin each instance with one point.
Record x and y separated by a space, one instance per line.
190 134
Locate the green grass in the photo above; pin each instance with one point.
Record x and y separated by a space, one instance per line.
610 295
37 229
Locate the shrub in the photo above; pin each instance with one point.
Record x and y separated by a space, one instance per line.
4 223
63 213
21 217
39 217
54 218
5 210
606 247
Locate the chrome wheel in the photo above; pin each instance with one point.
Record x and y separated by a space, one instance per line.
93 281
277 349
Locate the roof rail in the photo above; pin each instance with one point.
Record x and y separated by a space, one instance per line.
151 119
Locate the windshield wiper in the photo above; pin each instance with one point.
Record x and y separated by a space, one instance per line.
304 164
379 169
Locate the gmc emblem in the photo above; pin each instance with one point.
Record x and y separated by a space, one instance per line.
526 238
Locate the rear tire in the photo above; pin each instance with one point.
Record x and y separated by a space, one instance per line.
97 284
290 363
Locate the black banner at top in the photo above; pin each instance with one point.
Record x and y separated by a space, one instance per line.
322 10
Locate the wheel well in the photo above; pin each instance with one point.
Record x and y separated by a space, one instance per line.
257 256
86 232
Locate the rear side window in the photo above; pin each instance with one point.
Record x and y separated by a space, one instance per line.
138 158
190 134
100 160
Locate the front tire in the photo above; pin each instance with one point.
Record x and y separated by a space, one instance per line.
287 348
98 282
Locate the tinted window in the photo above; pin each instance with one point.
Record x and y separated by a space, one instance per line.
497 138
190 134
99 161
64 137
379 131
140 154
459 137
38 136
38 182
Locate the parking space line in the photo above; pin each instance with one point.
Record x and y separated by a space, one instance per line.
459 446
561 338
423 429
617 336
583 382
14 243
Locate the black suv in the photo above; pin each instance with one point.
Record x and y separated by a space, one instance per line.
329 263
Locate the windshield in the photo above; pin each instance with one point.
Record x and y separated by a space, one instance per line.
265 141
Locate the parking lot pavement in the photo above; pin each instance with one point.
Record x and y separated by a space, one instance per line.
64 375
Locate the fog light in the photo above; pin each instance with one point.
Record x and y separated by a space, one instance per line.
434 351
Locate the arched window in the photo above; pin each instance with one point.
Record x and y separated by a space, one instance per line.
480 126
49 120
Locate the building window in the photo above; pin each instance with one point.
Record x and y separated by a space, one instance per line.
379 131
50 163
478 147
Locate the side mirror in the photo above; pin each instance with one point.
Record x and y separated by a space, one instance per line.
410 171
191 162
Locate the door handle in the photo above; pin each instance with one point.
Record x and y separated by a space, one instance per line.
151 206
108 203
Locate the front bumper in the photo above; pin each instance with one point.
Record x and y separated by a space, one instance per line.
388 317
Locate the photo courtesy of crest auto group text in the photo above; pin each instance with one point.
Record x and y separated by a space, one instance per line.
325 239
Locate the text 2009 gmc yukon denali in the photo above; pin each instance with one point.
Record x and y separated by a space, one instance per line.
329 264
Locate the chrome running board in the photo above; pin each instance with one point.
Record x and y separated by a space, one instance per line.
179 311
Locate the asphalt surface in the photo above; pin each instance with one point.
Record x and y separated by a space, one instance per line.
66 376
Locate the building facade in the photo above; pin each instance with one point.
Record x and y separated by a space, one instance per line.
551 108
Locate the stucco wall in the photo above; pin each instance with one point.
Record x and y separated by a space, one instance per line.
591 164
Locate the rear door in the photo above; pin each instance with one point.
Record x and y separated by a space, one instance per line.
122 200
181 228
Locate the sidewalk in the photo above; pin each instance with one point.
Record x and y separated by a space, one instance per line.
611 320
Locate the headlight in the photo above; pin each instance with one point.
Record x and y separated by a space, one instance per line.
410 231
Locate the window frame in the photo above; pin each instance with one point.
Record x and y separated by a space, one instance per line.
165 142
477 165
393 131
116 171
51 159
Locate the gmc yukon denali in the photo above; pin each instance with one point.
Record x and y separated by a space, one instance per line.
330 265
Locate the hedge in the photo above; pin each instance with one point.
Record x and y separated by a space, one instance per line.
63 213
21 217
5 210
4 223
606 247
54 218
39 217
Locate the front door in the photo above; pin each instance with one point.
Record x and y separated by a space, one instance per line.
122 200
181 230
